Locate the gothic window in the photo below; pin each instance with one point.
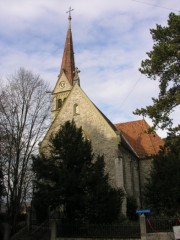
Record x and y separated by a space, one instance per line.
76 109
59 103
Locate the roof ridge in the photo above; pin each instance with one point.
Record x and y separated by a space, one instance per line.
140 120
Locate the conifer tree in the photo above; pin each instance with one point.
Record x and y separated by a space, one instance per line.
71 179
1 184
163 66
162 193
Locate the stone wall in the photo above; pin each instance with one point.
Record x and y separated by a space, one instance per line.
144 168
160 236
96 239
95 127
131 174
150 236
105 140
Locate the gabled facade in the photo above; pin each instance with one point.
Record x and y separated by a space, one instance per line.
122 160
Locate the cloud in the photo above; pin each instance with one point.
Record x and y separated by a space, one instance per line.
111 39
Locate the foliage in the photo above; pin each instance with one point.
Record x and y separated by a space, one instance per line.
72 180
162 190
163 65
131 208
24 107
103 201
1 185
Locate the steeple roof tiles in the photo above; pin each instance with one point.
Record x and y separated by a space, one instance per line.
68 62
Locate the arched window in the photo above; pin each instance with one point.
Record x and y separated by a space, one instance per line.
59 103
76 109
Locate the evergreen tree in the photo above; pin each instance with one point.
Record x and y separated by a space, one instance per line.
162 190
131 208
72 180
163 65
103 200
1 184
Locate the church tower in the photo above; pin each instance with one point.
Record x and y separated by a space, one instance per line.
122 145
68 75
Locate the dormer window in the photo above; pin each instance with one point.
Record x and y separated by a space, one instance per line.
76 109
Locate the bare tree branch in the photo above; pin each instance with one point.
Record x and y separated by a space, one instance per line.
24 112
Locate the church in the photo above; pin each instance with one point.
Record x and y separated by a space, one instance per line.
127 147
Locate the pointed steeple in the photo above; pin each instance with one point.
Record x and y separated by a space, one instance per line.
68 63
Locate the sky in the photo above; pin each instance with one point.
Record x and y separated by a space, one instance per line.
110 37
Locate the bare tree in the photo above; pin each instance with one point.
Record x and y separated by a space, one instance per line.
24 112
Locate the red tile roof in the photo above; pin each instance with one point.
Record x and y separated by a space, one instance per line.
135 134
68 63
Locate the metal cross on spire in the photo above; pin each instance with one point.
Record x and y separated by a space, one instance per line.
69 18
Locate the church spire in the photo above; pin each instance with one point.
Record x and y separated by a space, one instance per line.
68 63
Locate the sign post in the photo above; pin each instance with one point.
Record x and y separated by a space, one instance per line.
143 211
143 222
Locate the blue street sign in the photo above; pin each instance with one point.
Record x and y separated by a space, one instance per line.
143 211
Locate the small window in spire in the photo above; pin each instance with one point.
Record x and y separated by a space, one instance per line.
76 109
